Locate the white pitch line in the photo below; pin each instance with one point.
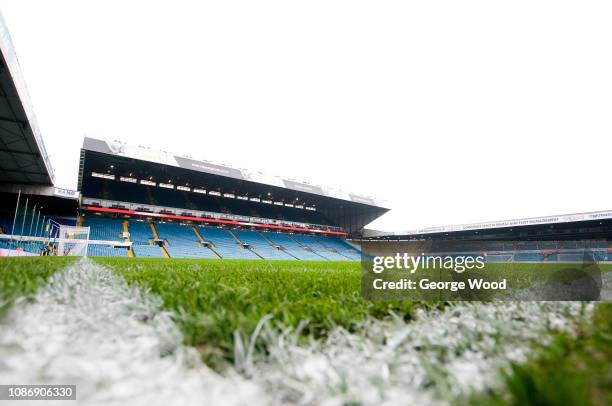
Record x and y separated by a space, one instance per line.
88 327
432 360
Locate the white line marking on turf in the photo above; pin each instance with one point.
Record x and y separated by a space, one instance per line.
87 327
434 359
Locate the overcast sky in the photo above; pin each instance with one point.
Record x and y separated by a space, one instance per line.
452 111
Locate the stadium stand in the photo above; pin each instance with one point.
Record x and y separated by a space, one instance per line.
147 251
528 257
340 246
499 258
224 243
160 239
104 229
140 232
142 237
292 247
603 256
188 241
259 244
105 251
573 257
314 244
182 242
552 258
232 213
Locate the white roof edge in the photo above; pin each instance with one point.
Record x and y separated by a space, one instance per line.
120 148
566 218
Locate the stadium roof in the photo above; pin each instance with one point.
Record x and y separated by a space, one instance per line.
166 158
494 225
347 210
23 158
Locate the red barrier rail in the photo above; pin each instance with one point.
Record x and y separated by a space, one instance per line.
210 220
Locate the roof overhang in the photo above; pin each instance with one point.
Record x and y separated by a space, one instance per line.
505 225
350 211
23 157
40 190
166 158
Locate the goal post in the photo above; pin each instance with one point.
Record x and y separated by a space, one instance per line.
72 241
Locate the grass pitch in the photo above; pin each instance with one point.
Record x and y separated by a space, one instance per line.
21 277
215 298
571 370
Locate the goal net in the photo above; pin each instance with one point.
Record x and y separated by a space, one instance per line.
72 241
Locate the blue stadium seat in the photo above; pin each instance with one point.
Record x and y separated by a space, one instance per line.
292 247
147 251
182 241
140 231
498 258
141 236
224 244
105 229
317 244
266 249
573 257
101 228
95 250
340 246
528 257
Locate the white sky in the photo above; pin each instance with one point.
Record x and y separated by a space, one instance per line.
453 112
